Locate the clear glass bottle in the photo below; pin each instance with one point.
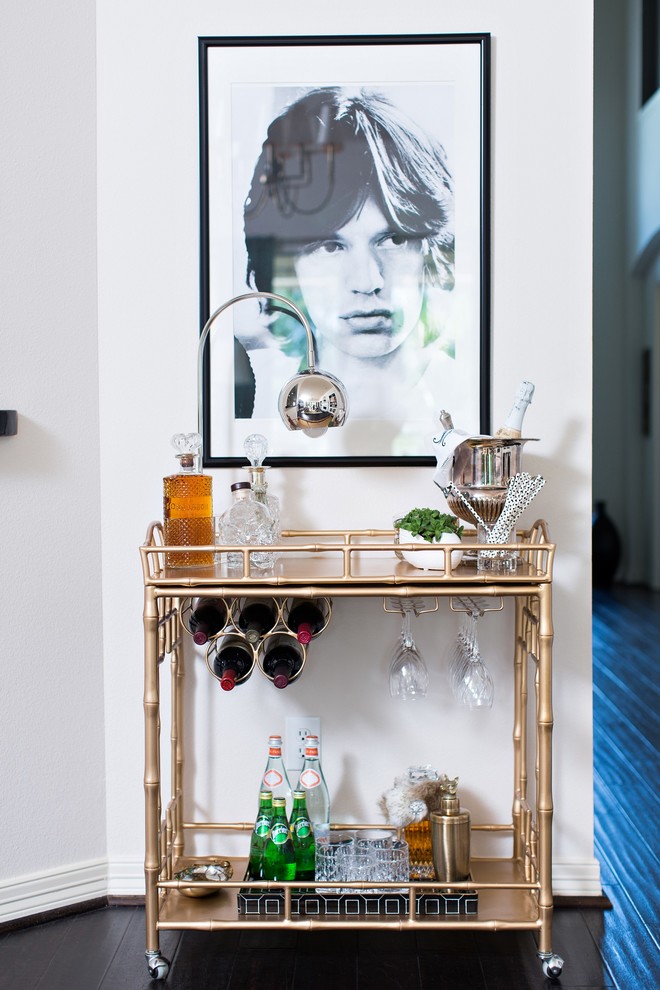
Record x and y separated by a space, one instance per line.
256 448
312 782
279 862
260 836
247 523
275 778
418 832
188 505
302 837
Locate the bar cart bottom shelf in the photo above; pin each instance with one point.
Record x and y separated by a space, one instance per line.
505 902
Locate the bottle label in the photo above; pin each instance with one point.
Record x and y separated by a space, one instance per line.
309 779
190 508
280 833
311 751
273 778
262 825
302 827
274 751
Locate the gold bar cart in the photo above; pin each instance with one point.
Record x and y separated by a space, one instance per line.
514 892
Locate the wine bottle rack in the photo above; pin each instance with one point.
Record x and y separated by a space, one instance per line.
511 892
234 605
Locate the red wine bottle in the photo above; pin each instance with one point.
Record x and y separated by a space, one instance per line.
233 664
306 619
283 659
256 618
208 617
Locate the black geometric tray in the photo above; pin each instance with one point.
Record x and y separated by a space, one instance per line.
433 903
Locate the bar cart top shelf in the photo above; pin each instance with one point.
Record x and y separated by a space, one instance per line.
350 562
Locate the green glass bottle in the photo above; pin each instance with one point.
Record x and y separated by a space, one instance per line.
302 837
279 856
260 836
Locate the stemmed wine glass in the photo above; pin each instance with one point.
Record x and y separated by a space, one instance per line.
409 678
470 680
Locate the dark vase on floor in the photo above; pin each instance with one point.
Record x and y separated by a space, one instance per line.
605 548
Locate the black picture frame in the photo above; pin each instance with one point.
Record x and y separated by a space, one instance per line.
244 64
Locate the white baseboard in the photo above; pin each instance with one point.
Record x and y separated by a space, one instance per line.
39 892
576 878
126 878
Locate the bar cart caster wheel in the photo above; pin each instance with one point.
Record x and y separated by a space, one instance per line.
552 965
157 965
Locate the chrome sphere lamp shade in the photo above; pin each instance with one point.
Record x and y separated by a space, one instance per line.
312 401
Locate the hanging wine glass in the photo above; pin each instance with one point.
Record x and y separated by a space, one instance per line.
475 689
470 680
462 649
409 678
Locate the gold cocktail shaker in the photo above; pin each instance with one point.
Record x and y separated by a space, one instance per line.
450 838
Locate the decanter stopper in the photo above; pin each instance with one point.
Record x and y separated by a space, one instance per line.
256 448
189 447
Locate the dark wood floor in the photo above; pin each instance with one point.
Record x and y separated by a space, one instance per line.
103 949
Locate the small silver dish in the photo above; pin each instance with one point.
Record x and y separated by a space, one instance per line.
216 870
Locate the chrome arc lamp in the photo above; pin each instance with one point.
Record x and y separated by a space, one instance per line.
312 401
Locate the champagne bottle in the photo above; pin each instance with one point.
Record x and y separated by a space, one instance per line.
260 836
256 618
275 778
188 505
233 663
302 837
513 423
208 617
279 861
307 618
283 659
312 781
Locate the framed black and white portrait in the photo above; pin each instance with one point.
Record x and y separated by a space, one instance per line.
351 176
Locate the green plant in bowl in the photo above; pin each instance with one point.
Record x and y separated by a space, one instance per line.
430 524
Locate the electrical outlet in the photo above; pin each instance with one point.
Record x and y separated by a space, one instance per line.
297 729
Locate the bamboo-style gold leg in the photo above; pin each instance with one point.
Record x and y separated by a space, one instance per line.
177 673
544 781
519 728
151 768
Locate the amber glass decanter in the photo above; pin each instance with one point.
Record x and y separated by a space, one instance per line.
188 505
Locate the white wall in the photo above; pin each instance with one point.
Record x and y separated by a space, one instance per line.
52 811
148 263
148 308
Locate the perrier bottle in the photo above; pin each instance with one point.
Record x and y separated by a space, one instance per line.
279 857
302 837
260 836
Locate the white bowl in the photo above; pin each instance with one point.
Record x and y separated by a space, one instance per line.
429 560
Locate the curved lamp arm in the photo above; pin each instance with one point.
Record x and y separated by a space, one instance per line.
311 401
